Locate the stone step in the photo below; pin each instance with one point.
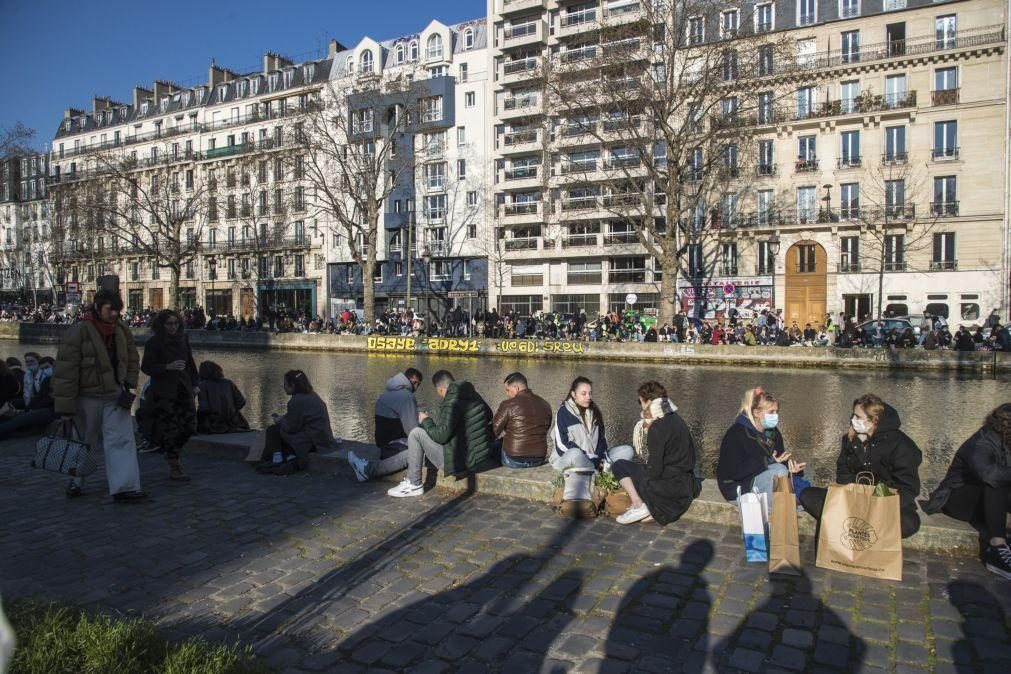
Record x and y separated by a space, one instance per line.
938 533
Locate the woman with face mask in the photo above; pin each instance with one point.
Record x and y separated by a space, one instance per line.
752 453
875 445
38 409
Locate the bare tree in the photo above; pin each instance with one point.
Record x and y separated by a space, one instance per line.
358 150
896 220
155 207
16 140
673 111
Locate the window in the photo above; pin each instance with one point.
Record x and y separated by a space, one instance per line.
850 46
696 30
849 93
945 140
472 200
469 99
696 261
627 270
895 91
849 8
471 231
582 273
399 54
807 258
361 121
806 12
764 18
895 145
766 54
766 206
805 102
412 50
365 64
945 30
377 272
849 253
807 153
945 202
468 38
766 159
461 135
729 65
730 23
766 114
765 258
945 86
461 168
728 259
849 200
895 252
850 149
434 48
432 109
807 204
895 198
944 252
462 72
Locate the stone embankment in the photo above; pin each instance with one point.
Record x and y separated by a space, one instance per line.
981 363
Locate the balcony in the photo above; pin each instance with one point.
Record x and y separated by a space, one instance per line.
944 153
576 23
619 124
510 7
622 14
944 97
526 211
848 163
434 183
573 134
944 209
519 70
520 106
577 57
856 106
626 276
895 266
521 178
620 238
805 166
765 170
519 141
521 35
583 166
580 203
849 267
228 151
257 243
895 157
579 240
623 162
522 243
944 265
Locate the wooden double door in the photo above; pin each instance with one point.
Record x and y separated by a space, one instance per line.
806 284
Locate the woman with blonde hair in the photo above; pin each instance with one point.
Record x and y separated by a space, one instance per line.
666 485
752 453
874 445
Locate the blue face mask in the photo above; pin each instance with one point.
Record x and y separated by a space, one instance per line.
770 421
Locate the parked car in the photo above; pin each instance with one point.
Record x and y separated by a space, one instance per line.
867 328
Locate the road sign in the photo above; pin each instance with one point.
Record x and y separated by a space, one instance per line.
73 288
455 294
631 298
728 288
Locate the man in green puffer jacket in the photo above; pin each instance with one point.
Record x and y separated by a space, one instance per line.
458 439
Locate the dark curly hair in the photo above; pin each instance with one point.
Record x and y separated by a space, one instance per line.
999 421
158 324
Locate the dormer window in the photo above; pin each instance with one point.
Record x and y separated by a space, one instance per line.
187 98
350 64
365 66
272 81
144 107
122 113
412 50
434 48
399 54
201 92
254 85
289 75
222 92
309 72
242 88
164 103
66 125
468 38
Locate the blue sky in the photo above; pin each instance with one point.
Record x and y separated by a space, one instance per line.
59 54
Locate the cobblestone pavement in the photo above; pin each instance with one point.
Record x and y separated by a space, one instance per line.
319 573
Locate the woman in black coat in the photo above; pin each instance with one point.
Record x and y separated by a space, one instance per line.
977 488
170 415
219 402
666 485
752 454
875 445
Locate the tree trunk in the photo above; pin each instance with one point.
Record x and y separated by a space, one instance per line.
368 287
668 292
881 286
173 298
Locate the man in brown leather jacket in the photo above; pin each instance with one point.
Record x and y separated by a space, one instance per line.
525 420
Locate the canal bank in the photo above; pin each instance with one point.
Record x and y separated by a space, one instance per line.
985 364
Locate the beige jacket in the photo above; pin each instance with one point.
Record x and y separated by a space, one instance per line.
83 367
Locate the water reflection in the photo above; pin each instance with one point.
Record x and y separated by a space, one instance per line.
938 411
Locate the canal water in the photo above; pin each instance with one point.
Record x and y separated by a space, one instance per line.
938 411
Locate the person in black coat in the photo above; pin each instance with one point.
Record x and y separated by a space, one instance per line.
977 488
171 416
752 454
219 402
875 445
666 485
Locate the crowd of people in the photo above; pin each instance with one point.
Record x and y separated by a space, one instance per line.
92 380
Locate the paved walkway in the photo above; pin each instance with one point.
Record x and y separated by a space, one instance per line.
320 573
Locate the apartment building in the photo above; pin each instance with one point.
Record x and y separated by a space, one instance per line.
433 235
223 159
880 178
25 241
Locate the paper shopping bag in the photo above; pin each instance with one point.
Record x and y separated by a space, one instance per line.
784 540
860 532
754 515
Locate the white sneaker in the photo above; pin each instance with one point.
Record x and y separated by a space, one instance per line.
633 515
360 466
405 489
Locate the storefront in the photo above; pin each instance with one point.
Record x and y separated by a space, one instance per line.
712 298
218 302
287 296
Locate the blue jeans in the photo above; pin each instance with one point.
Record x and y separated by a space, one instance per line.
510 462
764 480
27 419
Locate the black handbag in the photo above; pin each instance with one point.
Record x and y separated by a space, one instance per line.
61 450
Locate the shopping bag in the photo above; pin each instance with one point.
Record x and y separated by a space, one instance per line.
61 450
860 532
784 539
754 515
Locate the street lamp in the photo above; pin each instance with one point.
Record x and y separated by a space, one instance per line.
774 244
212 267
827 210
426 258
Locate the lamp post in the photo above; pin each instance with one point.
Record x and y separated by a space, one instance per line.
827 210
426 258
774 244
212 268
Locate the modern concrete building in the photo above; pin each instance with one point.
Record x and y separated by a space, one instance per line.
438 208
881 184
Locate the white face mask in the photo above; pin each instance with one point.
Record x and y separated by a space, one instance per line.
770 421
860 426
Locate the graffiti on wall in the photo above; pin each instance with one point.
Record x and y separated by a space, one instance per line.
461 345
533 346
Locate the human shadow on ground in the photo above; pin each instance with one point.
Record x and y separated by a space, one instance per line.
643 630
985 639
792 629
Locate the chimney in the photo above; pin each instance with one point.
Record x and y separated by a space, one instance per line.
70 113
269 62
333 48
164 88
140 94
100 103
216 75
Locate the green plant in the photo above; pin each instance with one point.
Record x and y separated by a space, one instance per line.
558 481
606 483
58 638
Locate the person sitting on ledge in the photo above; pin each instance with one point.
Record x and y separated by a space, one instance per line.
38 409
458 439
219 402
523 421
666 485
397 409
304 428
977 489
875 445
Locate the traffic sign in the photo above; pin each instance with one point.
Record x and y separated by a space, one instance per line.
729 288
455 294
631 298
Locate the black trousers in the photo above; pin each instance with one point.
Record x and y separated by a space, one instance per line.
813 500
982 506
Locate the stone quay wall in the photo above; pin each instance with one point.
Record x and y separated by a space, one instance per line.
981 363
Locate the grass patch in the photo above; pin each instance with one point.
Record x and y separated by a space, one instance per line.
54 638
